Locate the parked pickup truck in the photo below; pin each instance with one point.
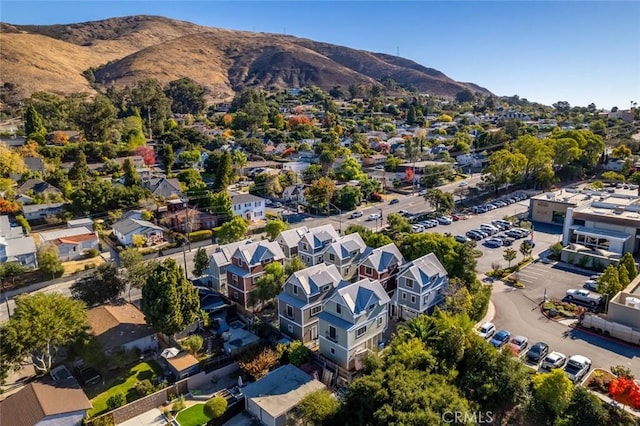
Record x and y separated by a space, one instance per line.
584 296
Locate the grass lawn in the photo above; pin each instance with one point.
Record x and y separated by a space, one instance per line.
193 416
123 382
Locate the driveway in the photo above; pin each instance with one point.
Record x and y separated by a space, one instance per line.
152 417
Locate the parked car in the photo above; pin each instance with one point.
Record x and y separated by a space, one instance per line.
493 243
486 330
404 213
519 344
455 217
373 216
577 367
502 223
500 338
489 228
538 352
591 285
461 239
463 183
482 232
394 201
474 235
355 214
88 376
277 204
584 296
443 220
423 192
554 360
416 229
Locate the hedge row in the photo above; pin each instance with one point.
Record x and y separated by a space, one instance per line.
202 235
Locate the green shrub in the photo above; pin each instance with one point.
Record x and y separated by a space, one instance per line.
144 388
257 230
116 400
91 253
622 371
202 235
179 405
556 251
215 407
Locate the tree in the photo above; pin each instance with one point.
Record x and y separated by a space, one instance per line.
239 160
298 353
585 409
151 100
33 125
22 221
148 154
215 407
9 271
103 285
554 390
49 262
41 323
312 173
629 262
525 249
80 170
505 167
187 96
623 276
609 282
131 176
95 118
348 197
138 240
200 262
398 223
317 407
220 205
10 161
293 265
269 284
116 400
193 343
350 169
232 231
192 179
135 269
190 157
169 301
258 365
224 173
168 158
370 238
442 201
625 391
622 152
274 227
320 193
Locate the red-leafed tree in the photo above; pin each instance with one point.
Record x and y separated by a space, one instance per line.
9 207
625 391
288 152
296 121
147 153
408 174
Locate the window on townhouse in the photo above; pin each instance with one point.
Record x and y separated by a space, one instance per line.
380 321
338 308
247 204
361 331
290 328
234 278
235 295
413 299
326 288
295 289
404 296
304 246
408 283
333 351
320 259
332 332
425 299
332 257
256 204
290 311
316 310
368 271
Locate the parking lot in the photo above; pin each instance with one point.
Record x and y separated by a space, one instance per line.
555 278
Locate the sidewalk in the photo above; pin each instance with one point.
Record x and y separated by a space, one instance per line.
491 313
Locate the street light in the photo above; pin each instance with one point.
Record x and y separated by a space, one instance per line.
339 217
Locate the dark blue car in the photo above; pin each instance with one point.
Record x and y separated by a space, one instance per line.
500 338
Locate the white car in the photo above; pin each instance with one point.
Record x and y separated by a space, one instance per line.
444 220
463 183
577 367
373 216
554 360
486 330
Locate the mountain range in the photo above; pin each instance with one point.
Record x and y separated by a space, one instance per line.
121 51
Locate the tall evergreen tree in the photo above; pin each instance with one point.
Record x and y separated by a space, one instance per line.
169 302
168 158
200 262
80 170
224 173
630 263
131 176
33 126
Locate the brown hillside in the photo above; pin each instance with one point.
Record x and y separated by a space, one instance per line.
125 50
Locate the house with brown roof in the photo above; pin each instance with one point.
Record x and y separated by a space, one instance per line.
46 403
188 220
183 365
121 326
72 243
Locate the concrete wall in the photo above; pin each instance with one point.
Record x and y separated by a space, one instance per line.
203 380
542 210
620 313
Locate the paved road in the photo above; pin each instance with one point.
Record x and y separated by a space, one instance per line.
520 314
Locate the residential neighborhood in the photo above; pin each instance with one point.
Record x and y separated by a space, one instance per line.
358 254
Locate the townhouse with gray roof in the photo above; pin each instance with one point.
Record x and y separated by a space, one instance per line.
381 264
345 253
248 263
352 322
288 240
302 299
422 285
314 243
216 272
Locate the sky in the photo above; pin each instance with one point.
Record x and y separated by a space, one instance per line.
544 51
